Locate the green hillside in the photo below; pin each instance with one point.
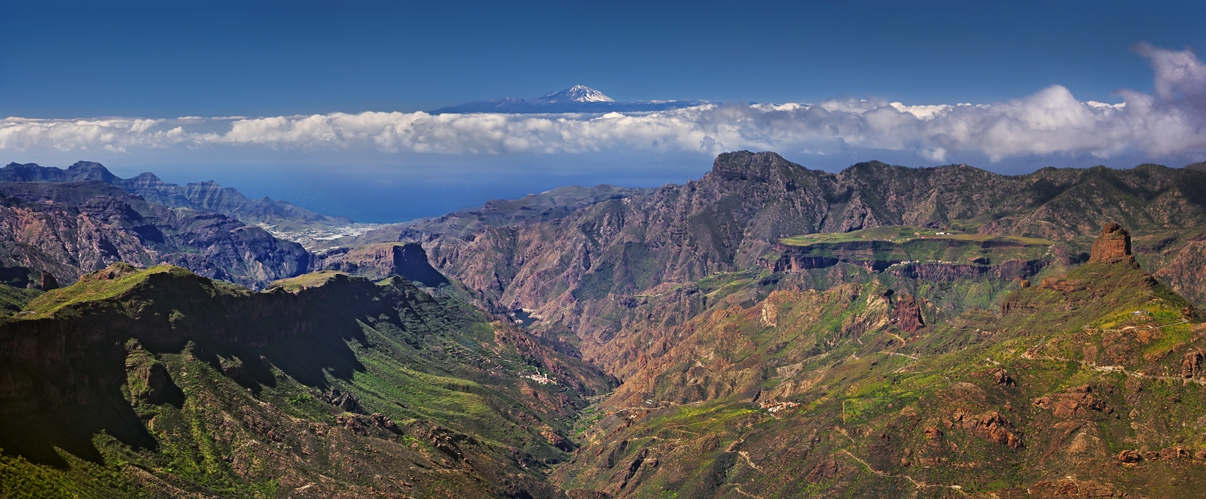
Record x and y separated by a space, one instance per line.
1090 380
157 382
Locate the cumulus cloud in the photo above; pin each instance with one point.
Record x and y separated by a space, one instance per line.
1170 121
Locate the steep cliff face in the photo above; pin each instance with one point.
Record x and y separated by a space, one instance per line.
67 229
624 246
1112 245
748 201
1179 259
201 196
943 258
381 260
573 268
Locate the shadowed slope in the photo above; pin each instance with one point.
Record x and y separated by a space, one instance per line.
175 383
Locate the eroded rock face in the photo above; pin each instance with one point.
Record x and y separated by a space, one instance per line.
1112 245
378 261
906 314
1076 400
150 381
991 426
62 230
343 401
385 423
933 433
1191 364
48 282
1129 456
824 470
1002 377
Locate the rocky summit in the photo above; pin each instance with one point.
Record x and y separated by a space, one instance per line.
1112 245
764 331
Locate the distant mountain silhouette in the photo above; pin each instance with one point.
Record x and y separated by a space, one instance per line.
576 99
203 196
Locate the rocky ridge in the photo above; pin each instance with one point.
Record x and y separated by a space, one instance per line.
70 228
381 260
201 196
750 366
580 269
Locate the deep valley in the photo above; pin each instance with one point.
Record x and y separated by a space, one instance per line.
764 331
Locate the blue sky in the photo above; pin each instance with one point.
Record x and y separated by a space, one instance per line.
62 61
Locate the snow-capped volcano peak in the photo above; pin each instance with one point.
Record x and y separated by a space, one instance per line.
576 99
577 93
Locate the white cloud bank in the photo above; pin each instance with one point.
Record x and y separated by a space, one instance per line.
1051 121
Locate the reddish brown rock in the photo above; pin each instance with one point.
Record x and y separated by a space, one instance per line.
1071 487
48 281
933 433
1112 245
1076 400
1002 377
824 470
1129 456
906 314
353 424
991 426
556 440
1177 452
384 422
1191 364
1063 284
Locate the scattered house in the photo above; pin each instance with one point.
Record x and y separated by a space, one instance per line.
540 378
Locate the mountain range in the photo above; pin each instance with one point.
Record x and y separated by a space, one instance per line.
604 268
764 331
65 229
200 196
576 99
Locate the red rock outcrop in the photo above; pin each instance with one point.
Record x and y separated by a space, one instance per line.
1074 401
824 470
1191 365
1178 452
906 314
933 433
1002 377
991 426
1112 245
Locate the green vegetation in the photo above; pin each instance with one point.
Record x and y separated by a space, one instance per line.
835 380
13 300
97 289
281 395
305 281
